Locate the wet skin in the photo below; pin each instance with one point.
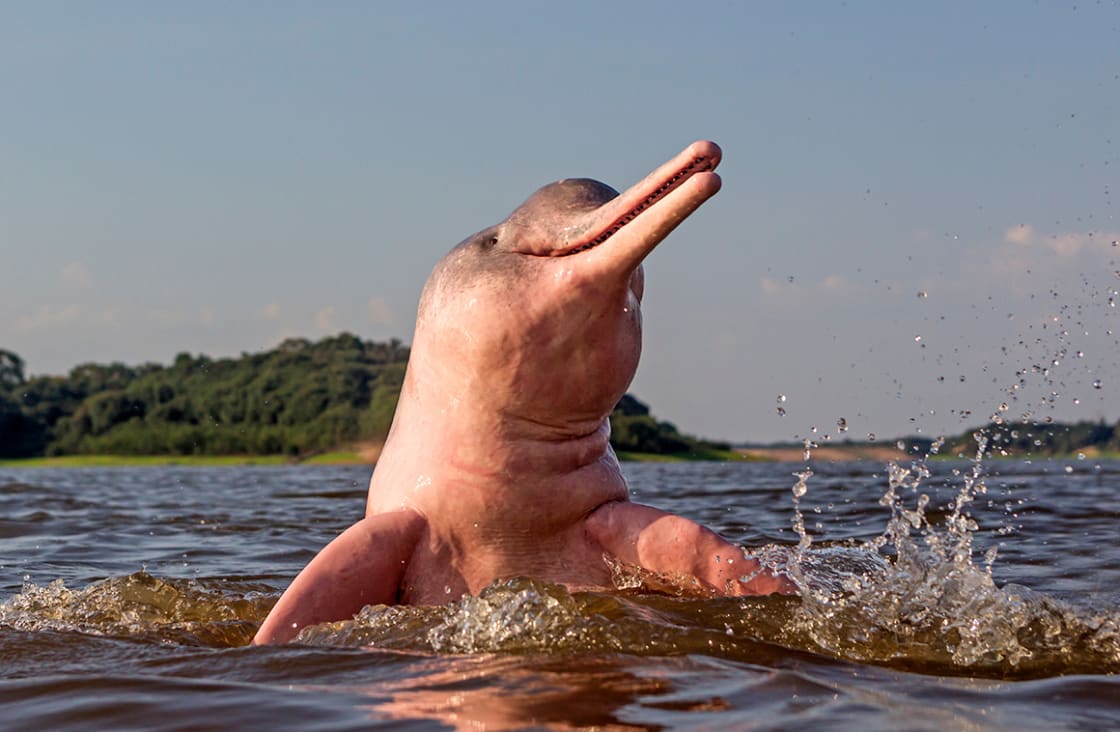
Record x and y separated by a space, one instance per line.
498 463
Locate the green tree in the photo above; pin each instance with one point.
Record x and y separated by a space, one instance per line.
11 371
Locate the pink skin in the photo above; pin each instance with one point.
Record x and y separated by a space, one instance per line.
498 462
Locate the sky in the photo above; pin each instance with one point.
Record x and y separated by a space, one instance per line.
917 228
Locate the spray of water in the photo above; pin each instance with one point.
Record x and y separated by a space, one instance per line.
916 595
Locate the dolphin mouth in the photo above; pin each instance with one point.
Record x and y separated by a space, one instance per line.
610 218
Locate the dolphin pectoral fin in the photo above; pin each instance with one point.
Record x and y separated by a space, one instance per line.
671 545
362 566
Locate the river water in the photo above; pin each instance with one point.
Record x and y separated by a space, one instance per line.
127 598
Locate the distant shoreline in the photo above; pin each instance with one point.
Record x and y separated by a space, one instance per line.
364 456
826 453
367 454
138 461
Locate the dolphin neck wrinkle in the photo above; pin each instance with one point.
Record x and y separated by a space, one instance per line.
518 447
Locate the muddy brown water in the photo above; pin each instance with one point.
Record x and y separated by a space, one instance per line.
128 597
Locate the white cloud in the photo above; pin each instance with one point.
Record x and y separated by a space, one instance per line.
324 319
1028 261
1021 234
831 283
1064 244
76 316
51 317
1068 245
176 318
378 311
76 274
773 288
271 311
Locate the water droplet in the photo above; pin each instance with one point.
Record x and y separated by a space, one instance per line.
781 398
1076 401
870 436
922 293
917 339
781 411
1069 468
1096 383
446 590
842 424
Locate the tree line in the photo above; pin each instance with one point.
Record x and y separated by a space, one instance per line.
297 399
1038 438
304 397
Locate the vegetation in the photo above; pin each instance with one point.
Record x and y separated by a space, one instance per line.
297 399
635 430
1039 438
1045 438
302 400
132 461
308 400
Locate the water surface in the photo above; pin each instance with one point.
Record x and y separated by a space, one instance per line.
127 598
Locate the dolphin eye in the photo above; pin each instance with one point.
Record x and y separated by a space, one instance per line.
486 240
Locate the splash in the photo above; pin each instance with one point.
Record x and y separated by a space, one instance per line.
190 612
916 597
527 616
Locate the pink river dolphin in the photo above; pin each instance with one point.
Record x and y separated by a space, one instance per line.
498 463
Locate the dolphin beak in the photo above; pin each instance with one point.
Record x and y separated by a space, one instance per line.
629 226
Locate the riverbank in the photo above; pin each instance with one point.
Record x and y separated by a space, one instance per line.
367 455
127 461
826 453
361 455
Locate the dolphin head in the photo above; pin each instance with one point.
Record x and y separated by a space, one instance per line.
538 317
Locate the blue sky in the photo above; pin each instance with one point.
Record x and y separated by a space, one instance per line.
918 213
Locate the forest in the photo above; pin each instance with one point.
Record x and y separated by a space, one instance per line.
299 399
1045 437
307 397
